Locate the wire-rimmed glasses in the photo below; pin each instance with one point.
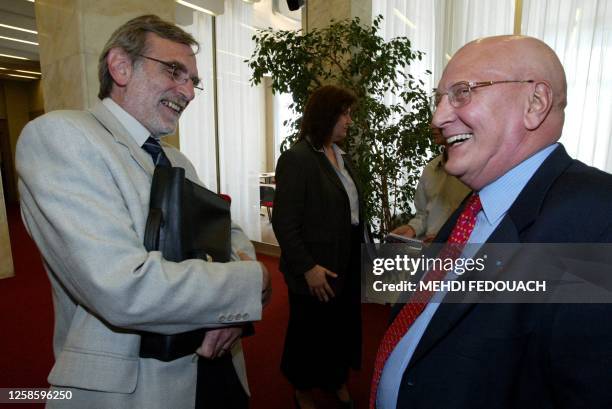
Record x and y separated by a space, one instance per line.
460 93
178 73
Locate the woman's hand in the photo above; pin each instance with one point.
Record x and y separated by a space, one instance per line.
316 278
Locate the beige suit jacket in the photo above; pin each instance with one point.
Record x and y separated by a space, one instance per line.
84 186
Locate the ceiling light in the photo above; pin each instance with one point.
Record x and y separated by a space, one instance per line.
193 6
29 72
18 28
22 76
13 56
18 40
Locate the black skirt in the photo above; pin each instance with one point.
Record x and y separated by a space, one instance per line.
323 340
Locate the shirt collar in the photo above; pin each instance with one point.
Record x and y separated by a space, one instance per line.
498 196
135 129
335 147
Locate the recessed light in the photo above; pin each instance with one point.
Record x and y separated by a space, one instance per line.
19 28
13 56
22 76
193 6
29 72
18 40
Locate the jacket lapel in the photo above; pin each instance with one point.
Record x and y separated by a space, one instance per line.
329 170
122 137
449 314
511 229
348 164
327 167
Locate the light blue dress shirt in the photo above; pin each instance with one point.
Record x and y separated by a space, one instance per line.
496 199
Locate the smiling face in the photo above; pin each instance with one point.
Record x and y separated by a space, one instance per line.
341 128
151 95
486 137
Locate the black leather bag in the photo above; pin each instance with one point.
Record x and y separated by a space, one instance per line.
186 221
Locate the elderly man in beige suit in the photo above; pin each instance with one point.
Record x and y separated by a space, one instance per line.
84 184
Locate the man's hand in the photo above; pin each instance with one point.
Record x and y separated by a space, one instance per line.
266 284
218 341
316 278
405 230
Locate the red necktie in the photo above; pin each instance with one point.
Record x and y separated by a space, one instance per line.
419 300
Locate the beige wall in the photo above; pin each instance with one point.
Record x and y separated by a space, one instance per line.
17 102
319 13
35 99
6 259
72 34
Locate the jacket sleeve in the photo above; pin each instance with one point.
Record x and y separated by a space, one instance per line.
579 356
289 209
85 204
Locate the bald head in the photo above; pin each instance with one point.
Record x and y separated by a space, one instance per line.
511 106
521 57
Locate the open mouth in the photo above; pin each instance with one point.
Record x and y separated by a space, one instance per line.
457 139
176 107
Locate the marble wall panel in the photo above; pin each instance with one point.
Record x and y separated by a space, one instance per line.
72 34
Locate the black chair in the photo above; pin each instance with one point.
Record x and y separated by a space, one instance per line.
266 198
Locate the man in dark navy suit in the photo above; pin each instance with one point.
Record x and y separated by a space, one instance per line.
500 105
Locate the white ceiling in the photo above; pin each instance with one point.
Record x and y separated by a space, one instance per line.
18 13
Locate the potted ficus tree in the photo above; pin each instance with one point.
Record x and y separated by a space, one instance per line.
390 140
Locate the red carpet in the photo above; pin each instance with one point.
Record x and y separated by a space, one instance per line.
27 328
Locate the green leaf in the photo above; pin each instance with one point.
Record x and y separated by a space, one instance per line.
390 139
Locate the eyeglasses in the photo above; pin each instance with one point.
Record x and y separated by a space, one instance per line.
460 93
178 74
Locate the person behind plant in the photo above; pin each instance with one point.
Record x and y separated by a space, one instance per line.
318 221
437 195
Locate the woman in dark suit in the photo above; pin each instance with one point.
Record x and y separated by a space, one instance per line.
318 223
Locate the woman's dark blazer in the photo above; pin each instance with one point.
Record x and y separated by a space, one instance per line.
312 216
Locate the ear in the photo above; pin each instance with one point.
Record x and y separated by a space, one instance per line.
119 66
538 106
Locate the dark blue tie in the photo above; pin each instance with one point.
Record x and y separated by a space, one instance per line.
154 149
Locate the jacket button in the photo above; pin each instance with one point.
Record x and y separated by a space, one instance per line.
230 317
238 317
245 316
221 318
410 383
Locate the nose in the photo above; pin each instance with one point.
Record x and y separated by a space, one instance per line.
443 114
187 90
